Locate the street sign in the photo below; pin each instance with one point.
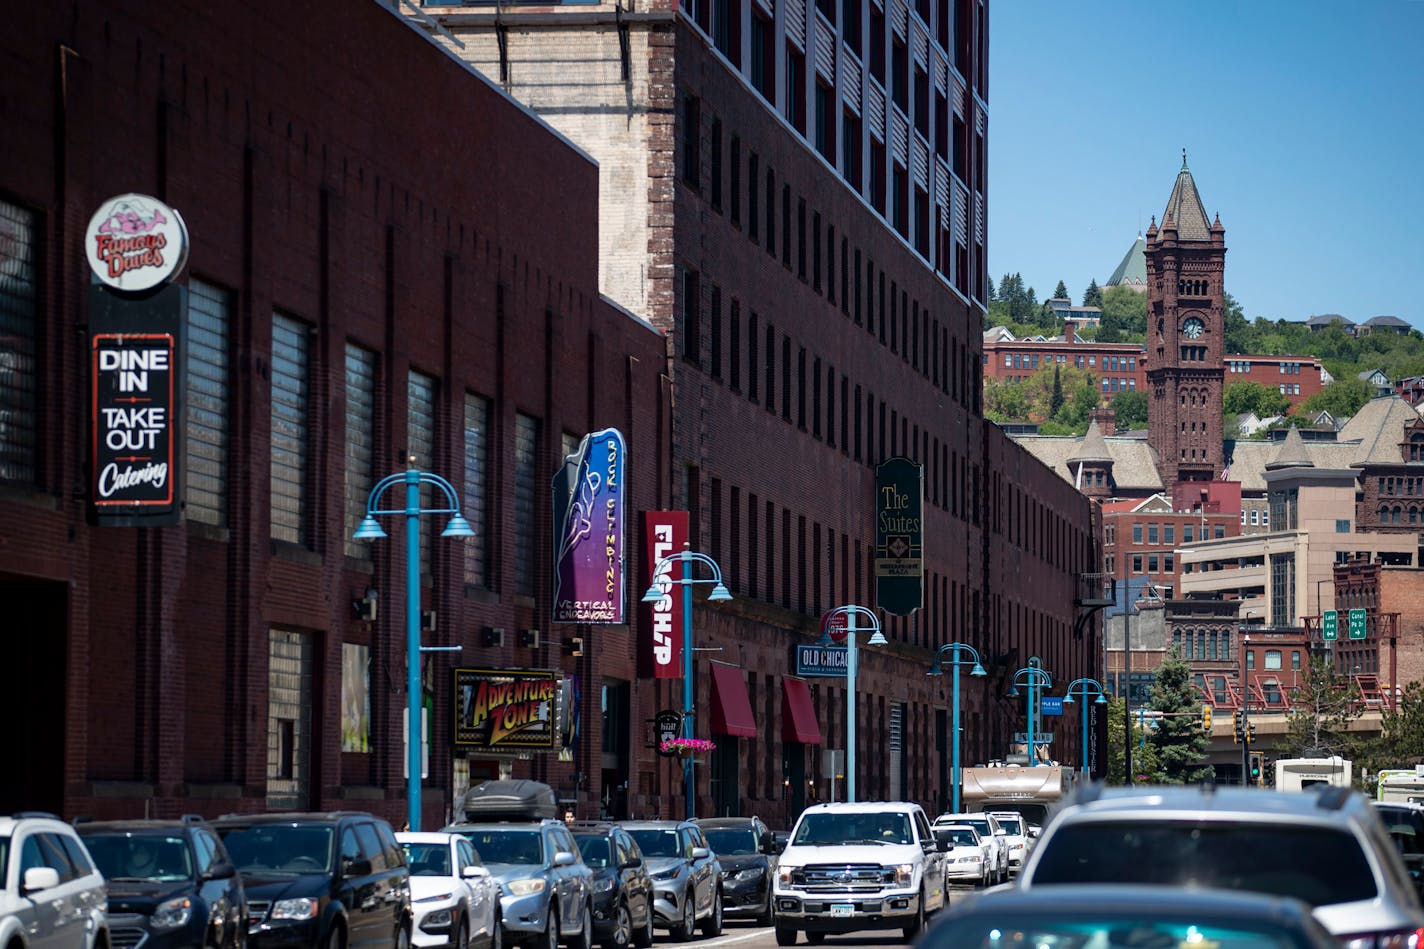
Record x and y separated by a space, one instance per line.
1357 624
821 661
1039 738
1051 705
667 725
1330 625
835 625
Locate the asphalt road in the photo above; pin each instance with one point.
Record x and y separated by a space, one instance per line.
744 935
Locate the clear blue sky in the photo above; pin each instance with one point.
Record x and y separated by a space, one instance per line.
1303 122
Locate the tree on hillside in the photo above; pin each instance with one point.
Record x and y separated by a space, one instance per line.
1322 707
1241 397
1342 398
1179 739
1055 399
1093 296
1130 409
1061 291
1126 311
1237 331
1005 401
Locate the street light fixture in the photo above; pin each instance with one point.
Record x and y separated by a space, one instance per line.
656 591
370 529
1035 677
976 669
1085 688
850 611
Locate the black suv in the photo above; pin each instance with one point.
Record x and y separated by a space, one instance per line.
622 889
170 883
332 880
747 851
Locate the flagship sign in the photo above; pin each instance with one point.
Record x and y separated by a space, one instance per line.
665 533
135 243
506 709
899 536
588 532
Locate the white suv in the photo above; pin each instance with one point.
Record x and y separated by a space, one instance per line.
1015 835
51 896
849 867
994 835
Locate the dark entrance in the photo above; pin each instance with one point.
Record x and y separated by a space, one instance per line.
726 783
34 702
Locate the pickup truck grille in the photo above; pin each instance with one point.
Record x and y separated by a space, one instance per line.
843 878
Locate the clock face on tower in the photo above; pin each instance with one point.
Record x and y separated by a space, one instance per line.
1193 328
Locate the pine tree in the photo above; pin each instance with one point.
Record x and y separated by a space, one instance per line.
1055 401
1179 739
1093 296
1322 707
1061 291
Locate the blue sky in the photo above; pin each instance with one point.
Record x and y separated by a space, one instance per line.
1303 122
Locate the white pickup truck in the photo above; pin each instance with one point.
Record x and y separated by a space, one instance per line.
850 867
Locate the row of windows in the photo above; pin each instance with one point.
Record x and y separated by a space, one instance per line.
1202 644
1167 564
1271 659
1393 485
1398 515
1258 516
1288 388
1167 533
1030 361
1119 385
1193 354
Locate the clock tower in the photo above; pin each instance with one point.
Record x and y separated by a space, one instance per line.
1185 336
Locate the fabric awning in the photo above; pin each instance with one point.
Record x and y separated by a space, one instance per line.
798 714
731 710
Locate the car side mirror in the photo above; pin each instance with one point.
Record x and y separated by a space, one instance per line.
473 872
40 878
768 844
700 853
564 859
1034 831
222 870
632 863
1001 832
355 867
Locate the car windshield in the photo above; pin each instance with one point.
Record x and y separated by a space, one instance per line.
508 846
961 838
1032 812
657 843
1108 930
1319 865
428 860
152 857
731 842
835 827
4 858
1403 830
284 848
596 852
1012 826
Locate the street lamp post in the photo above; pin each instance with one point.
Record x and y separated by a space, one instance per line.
369 529
1084 688
976 669
850 611
656 591
1035 677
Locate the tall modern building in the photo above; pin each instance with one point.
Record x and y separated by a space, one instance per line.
795 193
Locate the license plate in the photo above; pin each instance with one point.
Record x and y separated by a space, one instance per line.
842 909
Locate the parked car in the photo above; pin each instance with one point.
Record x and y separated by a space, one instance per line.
1326 848
850 867
171 884
687 881
51 893
1016 836
454 900
968 858
1120 917
1405 825
331 880
547 888
747 852
989 829
622 888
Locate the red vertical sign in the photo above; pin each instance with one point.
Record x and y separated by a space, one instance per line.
666 535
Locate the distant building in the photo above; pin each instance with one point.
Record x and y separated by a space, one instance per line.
1119 365
1383 324
1378 381
1131 272
1321 321
1079 316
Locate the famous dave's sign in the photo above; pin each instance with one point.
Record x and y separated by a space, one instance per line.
588 532
899 536
135 243
665 533
506 709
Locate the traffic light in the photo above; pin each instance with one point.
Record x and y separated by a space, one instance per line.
1250 733
574 646
1258 764
1206 718
1236 734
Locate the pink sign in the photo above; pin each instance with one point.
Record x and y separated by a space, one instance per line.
666 534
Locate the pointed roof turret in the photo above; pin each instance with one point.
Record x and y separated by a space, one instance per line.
1292 453
1093 450
1184 207
1132 271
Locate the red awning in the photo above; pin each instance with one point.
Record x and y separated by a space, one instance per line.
731 711
798 715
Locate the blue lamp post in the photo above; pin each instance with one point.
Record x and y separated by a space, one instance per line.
1085 689
719 593
1035 677
369 529
850 611
976 669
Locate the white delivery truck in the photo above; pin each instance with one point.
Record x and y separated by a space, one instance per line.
1401 785
1297 774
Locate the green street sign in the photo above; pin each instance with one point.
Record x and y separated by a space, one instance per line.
1357 624
1330 627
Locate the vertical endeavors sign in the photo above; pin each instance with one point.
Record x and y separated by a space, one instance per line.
899 536
588 532
665 534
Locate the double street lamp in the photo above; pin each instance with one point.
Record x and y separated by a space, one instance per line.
850 611
369 529
656 591
1084 689
976 669
1035 677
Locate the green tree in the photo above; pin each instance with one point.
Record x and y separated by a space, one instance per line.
1130 409
1144 753
1402 727
1341 398
1093 296
1005 401
1322 707
1061 291
1055 400
1241 397
1178 739
1128 310
1237 331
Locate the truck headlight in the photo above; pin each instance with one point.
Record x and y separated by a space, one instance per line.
785 872
905 874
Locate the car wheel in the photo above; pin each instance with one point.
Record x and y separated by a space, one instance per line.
584 939
336 939
496 937
683 930
786 936
815 939
913 930
462 936
764 918
402 937
622 933
712 925
643 938
551 929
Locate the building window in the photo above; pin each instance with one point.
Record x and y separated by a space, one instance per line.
19 313
360 461
1137 533
1152 533
1250 660
1282 589
1187 531
527 482
205 493
716 160
420 447
1342 525
1271 659
1136 563
763 56
291 430
691 316
691 142
476 503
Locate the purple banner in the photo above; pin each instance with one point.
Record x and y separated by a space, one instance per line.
588 532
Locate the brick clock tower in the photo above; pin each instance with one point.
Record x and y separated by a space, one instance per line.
1185 336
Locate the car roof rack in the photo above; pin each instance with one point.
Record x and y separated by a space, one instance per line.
32 815
1332 798
193 819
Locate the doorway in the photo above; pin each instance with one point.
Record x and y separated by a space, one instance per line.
37 641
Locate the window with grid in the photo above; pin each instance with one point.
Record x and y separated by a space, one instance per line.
526 483
420 447
19 312
291 430
476 503
360 450
206 394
